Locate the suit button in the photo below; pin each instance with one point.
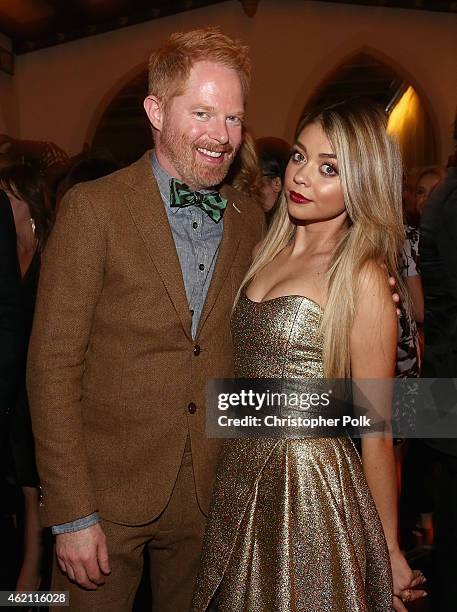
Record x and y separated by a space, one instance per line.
192 408
197 350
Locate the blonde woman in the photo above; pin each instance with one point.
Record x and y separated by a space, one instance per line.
245 174
306 524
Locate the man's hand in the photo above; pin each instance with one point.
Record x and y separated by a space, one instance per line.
406 582
83 556
395 296
392 283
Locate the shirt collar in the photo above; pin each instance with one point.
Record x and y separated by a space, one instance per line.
162 177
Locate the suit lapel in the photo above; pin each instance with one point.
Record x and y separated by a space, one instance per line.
233 224
149 215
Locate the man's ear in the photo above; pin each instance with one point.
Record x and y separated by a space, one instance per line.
276 184
154 111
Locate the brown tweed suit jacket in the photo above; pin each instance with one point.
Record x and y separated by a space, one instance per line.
112 364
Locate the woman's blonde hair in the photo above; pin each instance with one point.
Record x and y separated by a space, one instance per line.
370 171
245 174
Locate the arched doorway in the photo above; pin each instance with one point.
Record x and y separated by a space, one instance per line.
123 132
365 75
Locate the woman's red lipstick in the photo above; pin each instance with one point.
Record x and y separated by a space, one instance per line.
297 198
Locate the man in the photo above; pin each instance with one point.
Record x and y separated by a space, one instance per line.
132 319
438 250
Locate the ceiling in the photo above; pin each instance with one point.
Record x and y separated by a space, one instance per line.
35 24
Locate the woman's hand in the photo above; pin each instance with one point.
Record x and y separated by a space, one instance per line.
405 581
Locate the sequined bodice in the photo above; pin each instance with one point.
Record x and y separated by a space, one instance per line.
278 338
292 525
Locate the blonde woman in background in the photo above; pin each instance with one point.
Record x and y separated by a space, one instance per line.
245 174
305 524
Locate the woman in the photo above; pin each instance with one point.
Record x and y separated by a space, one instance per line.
244 173
305 524
32 219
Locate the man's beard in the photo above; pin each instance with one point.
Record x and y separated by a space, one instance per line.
182 153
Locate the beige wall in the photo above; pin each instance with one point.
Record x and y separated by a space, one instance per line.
64 90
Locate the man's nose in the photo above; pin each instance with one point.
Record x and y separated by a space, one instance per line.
218 130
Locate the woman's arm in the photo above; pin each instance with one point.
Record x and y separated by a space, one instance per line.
373 347
373 354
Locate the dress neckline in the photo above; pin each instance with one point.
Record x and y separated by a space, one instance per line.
283 297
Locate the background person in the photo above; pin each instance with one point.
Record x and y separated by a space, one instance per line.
438 250
273 155
11 316
245 174
27 195
427 180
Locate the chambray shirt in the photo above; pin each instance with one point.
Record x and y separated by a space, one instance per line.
197 239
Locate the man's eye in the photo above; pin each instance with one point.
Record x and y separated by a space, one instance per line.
234 120
201 114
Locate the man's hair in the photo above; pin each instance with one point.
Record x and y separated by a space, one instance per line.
171 63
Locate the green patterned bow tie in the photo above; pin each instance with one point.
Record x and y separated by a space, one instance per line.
211 203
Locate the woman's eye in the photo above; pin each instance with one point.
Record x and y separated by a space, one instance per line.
297 157
328 170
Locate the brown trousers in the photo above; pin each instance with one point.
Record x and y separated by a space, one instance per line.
173 541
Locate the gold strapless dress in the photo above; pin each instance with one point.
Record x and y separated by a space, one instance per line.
293 526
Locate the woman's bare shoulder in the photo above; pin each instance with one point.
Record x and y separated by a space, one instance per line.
373 282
